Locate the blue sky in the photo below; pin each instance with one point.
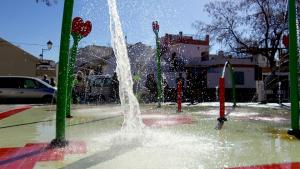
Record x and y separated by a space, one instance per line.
30 25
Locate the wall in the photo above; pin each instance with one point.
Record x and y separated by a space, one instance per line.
214 74
189 51
15 61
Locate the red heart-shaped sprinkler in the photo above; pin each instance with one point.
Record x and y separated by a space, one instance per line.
76 25
81 28
86 28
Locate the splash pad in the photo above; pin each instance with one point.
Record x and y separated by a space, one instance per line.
254 135
135 122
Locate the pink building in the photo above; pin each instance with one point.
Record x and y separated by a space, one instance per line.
181 54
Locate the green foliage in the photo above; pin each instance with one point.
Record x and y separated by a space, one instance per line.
47 2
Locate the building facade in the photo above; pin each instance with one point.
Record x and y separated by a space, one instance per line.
187 57
181 54
17 62
245 77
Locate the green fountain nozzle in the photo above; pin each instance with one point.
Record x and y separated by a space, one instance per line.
80 29
293 68
155 27
63 75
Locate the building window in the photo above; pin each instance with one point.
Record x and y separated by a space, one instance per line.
177 64
239 78
212 70
29 84
204 56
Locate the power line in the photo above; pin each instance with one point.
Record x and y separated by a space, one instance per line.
28 44
31 44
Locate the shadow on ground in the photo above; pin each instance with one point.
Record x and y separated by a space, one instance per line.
102 156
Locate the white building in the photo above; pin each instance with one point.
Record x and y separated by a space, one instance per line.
244 74
244 71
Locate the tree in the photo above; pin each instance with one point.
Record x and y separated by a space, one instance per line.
247 26
48 2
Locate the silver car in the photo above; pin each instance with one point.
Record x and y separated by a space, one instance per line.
25 89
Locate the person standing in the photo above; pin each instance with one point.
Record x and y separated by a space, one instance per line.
79 87
115 87
196 88
180 78
151 85
52 82
189 88
166 90
45 79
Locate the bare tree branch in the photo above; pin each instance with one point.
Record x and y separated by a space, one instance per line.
251 26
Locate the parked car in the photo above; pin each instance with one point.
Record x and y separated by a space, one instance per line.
100 88
25 89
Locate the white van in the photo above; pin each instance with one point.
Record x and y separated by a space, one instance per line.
25 89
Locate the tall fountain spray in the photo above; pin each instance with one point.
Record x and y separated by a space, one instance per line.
129 103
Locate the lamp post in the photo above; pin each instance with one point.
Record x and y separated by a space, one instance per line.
155 27
49 47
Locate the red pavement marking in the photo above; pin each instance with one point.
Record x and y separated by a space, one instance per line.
166 120
295 165
13 111
26 157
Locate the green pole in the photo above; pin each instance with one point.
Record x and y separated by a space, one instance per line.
159 81
293 66
60 140
232 76
71 75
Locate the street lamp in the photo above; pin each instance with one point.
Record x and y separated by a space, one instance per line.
49 46
155 28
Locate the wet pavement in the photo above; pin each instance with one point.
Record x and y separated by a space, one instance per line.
4 108
253 136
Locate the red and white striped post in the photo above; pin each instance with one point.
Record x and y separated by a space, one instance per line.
222 99
179 96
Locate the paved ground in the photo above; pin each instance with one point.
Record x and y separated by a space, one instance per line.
254 137
4 108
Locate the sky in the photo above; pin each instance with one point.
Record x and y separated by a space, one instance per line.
31 25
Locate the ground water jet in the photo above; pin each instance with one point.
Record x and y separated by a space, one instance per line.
129 103
221 91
